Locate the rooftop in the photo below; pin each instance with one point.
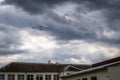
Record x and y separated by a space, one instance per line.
41 67
97 66
106 62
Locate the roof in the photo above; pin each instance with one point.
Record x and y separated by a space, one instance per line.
39 67
106 62
91 69
95 68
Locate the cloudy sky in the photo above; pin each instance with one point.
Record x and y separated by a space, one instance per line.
64 31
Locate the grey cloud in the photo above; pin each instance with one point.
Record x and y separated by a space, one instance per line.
63 29
9 36
9 41
38 6
90 32
33 6
11 52
17 20
58 56
112 12
113 19
107 3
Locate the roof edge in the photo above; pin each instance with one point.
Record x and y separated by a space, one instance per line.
91 69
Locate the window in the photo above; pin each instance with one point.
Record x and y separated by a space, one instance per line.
94 78
56 77
84 79
11 77
20 77
29 77
2 77
47 77
39 77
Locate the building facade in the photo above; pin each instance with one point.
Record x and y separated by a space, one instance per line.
38 71
106 70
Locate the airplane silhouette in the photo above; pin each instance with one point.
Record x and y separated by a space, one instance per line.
38 27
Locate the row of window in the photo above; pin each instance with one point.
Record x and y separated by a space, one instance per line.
29 77
92 78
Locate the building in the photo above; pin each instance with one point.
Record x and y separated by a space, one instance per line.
105 70
38 71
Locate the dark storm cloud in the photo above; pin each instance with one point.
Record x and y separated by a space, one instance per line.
106 3
10 52
37 6
17 20
87 31
69 34
112 11
33 6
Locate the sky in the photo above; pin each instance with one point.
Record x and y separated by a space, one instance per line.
63 31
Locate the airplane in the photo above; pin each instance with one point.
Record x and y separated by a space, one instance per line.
38 27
